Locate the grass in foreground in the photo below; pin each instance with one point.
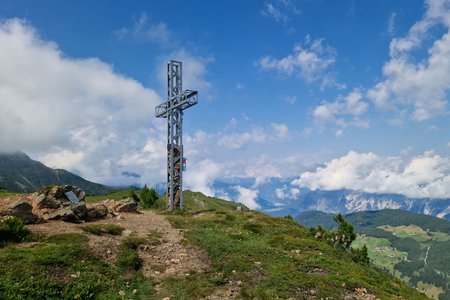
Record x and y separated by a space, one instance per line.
274 258
62 267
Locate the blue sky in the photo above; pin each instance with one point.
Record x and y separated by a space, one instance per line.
302 89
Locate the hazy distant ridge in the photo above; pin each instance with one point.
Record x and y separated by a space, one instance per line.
19 173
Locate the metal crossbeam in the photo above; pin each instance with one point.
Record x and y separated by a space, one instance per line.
187 99
177 101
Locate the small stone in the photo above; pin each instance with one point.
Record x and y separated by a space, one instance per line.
166 298
73 275
121 293
257 263
109 251
171 270
134 291
234 271
157 272
239 282
175 261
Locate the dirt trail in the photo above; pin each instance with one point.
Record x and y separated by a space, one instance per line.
168 256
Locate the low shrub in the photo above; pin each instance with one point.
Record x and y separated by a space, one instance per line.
12 230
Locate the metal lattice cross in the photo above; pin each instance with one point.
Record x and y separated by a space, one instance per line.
177 101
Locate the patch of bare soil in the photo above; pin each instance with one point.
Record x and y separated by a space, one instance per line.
165 256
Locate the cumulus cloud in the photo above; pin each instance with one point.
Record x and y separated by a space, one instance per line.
344 111
311 62
426 175
202 175
79 114
247 197
418 85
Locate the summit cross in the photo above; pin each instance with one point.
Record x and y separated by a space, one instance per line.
177 101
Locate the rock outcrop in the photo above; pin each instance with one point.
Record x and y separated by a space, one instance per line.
66 203
22 210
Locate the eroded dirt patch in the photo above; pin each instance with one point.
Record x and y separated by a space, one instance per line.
165 255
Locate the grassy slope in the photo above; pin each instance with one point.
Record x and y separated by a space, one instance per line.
406 232
118 195
62 267
275 258
272 257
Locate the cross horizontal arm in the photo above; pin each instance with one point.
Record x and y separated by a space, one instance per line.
181 101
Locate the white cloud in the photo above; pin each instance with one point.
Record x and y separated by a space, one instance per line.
194 70
448 144
280 10
256 135
74 113
311 63
281 131
391 23
142 30
426 175
286 193
247 197
201 176
418 85
271 11
344 112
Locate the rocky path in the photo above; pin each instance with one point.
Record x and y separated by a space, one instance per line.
165 256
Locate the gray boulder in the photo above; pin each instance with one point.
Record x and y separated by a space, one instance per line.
97 211
22 210
64 214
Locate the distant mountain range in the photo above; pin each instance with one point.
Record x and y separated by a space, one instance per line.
337 201
19 173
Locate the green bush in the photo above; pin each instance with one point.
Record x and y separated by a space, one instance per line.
343 236
148 197
132 194
12 230
360 255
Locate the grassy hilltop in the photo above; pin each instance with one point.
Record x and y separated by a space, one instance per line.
248 255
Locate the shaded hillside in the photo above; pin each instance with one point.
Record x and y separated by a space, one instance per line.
410 246
19 173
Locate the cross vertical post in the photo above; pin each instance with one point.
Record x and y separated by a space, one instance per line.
177 101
